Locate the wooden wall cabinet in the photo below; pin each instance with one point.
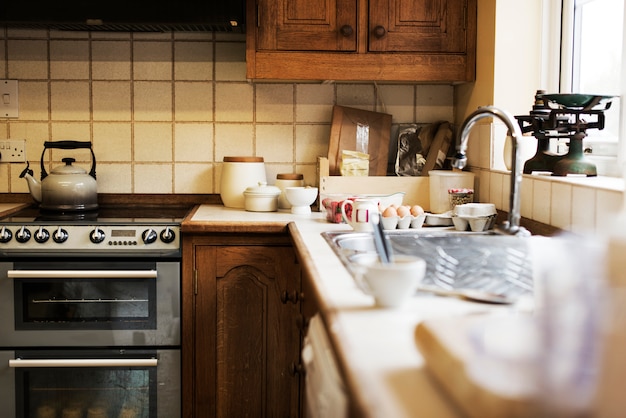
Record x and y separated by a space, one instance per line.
394 40
242 326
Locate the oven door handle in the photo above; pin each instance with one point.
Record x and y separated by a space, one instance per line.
16 363
82 274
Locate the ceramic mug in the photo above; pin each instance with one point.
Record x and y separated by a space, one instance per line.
394 283
357 213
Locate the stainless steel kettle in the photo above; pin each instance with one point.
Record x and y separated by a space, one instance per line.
67 187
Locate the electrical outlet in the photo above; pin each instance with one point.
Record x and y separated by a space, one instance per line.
13 151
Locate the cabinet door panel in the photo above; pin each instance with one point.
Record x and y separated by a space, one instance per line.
417 26
306 25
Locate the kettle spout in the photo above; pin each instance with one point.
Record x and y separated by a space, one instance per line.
34 186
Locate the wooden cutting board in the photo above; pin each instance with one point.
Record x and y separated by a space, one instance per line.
343 137
444 343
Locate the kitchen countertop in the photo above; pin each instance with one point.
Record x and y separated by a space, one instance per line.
383 368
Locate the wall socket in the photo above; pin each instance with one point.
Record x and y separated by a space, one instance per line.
13 151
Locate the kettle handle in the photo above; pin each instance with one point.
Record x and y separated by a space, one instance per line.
67 144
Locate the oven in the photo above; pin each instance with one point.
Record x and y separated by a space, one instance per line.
90 316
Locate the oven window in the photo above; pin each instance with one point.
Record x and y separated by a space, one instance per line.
85 391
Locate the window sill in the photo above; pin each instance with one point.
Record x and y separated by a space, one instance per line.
615 184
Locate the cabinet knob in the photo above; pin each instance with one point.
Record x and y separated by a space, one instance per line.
292 297
346 30
296 369
379 31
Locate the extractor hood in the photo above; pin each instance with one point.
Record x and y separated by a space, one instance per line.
125 15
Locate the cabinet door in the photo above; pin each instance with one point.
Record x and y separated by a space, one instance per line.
417 26
306 25
247 339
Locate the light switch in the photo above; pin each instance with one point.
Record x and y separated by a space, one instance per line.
9 103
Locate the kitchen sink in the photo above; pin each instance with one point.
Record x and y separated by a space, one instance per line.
484 261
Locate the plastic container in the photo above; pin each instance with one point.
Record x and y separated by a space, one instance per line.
285 180
443 180
239 173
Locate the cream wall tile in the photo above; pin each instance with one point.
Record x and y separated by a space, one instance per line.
608 205
475 145
542 198
526 206
359 96
193 61
499 131
3 61
152 142
230 61
112 142
275 142
233 140
16 184
111 100
69 100
193 101
79 131
506 192
152 61
399 102
152 101
35 134
114 178
495 189
314 102
484 186
310 173
69 60
583 209
193 142
561 205
5 178
233 102
434 103
274 103
27 59
33 101
193 178
311 142
110 60
153 178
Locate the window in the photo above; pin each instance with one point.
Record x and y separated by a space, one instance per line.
592 50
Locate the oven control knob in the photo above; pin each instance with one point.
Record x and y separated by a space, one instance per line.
149 236
97 236
23 235
60 235
42 235
5 235
167 235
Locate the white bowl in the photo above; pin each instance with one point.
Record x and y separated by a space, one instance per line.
301 199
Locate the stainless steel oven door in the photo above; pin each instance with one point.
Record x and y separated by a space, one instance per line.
90 303
91 382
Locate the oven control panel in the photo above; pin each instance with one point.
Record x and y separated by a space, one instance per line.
109 238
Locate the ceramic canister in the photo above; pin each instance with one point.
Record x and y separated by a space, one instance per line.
287 180
239 173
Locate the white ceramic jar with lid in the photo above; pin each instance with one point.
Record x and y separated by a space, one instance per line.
285 180
261 198
239 173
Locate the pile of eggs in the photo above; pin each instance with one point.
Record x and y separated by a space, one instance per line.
403 216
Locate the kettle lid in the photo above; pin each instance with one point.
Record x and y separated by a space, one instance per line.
68 168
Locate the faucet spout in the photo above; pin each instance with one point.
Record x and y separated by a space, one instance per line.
512 226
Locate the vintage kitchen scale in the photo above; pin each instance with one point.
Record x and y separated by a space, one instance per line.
563 116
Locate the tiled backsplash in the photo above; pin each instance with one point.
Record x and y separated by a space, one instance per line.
162 110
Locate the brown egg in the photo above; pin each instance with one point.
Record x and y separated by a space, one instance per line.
389 212
403 211
417 210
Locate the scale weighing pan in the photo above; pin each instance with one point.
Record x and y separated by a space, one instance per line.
577 101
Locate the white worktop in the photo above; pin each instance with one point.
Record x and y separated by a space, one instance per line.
376 347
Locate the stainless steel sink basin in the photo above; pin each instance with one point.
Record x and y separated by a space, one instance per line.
455 260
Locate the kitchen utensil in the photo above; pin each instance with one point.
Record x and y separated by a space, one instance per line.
238 173
470 294
576 100
383 248
261 198
357 213
67 187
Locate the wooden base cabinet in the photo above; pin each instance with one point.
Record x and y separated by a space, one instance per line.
241 327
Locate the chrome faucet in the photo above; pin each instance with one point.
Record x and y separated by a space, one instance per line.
512 226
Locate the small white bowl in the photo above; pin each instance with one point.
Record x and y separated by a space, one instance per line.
301 199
